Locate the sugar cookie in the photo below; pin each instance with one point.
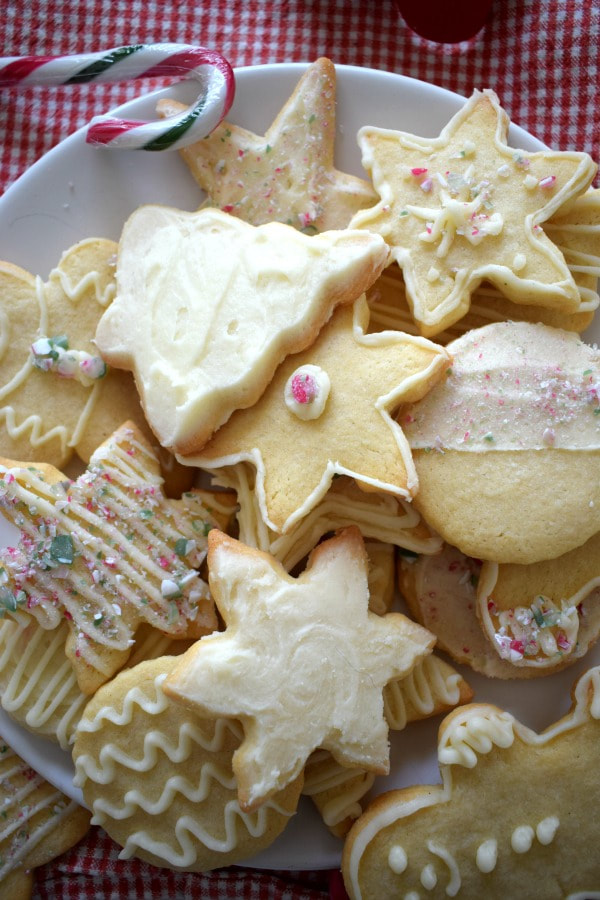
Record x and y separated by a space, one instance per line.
278 666
105 552
545 615
56 396
160 781
39 823
507 447
296 458
288 175
465 207
514 816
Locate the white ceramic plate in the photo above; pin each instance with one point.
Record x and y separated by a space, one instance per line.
76 192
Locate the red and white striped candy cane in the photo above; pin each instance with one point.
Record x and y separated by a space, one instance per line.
137 61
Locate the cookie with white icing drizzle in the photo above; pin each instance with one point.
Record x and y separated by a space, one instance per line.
577 235
105 552
465 207
37 824
57 397
507 447
38 685
514 815
381 517
160 781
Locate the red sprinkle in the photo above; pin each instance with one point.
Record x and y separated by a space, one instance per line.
304 388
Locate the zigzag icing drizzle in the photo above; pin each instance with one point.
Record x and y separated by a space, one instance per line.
428 683
464 740
33 425
103 770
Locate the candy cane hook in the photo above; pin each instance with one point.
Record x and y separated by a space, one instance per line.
137 61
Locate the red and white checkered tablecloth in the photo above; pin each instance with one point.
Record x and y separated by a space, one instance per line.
541 57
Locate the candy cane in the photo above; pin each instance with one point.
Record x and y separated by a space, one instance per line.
140 61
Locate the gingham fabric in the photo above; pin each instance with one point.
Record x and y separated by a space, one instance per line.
541 57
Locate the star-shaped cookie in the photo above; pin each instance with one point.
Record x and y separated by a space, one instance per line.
287 175
516 815
354 434
49 409
465 207
106 552
207 306
302 662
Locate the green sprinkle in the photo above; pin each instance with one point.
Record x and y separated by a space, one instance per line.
489 437
62 549
183 546
588 371
268 148
201 526
146 513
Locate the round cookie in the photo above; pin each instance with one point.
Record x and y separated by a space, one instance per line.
160 782
507 448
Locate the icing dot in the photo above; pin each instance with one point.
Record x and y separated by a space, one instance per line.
522 838
428 877
519 262
306 392
397 859
546 829
412 895
487 855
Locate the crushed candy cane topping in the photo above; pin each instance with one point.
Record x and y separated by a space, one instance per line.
53 354
543 629
105 552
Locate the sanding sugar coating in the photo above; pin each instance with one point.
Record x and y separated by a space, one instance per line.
513 386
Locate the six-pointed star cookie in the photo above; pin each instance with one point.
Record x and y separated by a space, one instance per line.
287 175
465 207
107 552
302 662
354 434
207 306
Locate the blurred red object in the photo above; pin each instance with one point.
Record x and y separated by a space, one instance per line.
445 21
